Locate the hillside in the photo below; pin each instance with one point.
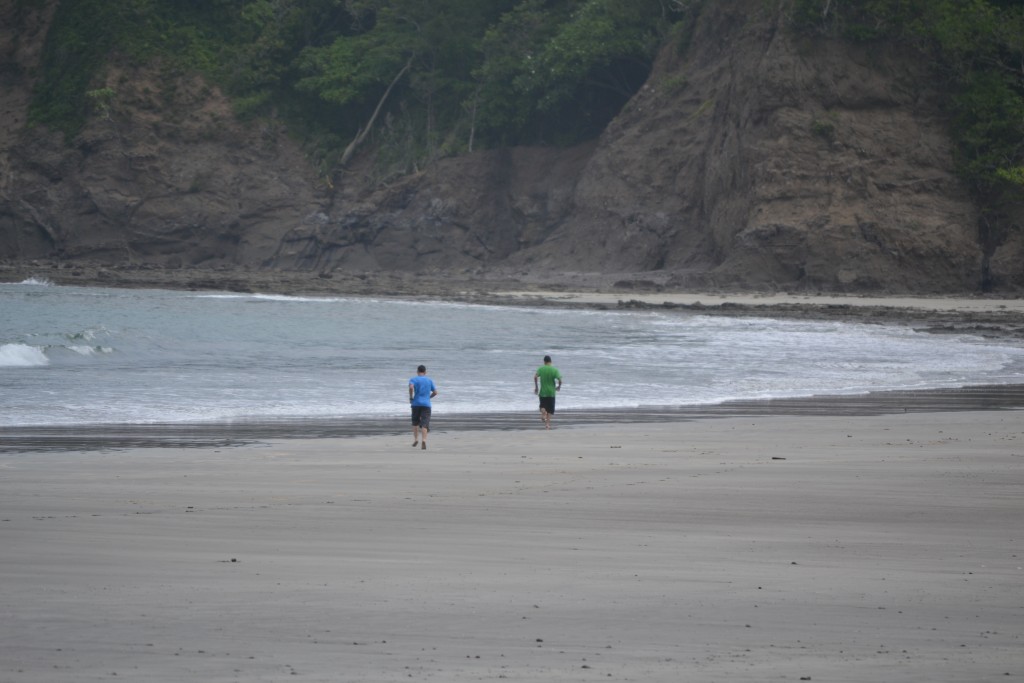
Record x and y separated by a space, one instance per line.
753 157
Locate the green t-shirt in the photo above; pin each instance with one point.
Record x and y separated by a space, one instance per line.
547 374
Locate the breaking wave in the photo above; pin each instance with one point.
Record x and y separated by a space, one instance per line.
22 356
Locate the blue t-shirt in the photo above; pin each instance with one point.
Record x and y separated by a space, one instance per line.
422 386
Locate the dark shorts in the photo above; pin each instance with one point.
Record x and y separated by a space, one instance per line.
421 416
548 403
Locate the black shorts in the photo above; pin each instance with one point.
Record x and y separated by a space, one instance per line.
548 403
421 416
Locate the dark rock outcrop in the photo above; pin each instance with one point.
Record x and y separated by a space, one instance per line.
177 183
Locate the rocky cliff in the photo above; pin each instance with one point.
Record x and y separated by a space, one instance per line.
751 159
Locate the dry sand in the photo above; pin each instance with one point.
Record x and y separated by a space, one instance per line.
983 315
770 300
788 548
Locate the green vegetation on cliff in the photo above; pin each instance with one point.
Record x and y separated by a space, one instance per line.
426 79
87 34
430 79
977 47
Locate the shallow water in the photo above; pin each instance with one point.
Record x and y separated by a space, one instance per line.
79 356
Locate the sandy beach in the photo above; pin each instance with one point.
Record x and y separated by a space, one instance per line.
747 548
985 315
769 300
873 538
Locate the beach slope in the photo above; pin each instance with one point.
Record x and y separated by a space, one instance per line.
824 548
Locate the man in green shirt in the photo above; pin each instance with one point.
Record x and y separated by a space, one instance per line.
547 381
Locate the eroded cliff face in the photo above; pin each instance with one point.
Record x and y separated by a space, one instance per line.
749 160
165 175
467 214
760 161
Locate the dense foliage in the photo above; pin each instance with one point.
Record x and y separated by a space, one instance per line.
977 47
428 79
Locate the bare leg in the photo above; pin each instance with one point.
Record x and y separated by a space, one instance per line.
423 438
415 436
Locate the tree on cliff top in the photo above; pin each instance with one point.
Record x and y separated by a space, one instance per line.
528 71
552 71
433 43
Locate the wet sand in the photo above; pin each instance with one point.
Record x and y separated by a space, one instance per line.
235 433
867 546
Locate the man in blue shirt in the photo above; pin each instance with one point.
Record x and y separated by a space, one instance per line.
421 390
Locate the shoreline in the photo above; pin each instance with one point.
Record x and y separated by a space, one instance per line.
998 315
987 317
983 316
240 433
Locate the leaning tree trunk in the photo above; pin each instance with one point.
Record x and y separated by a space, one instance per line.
352 146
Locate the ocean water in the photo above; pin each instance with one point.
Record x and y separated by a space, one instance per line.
93 356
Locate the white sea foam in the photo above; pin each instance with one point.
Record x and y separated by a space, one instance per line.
21 356
84 335
287 298
364 301
36 281
83 350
